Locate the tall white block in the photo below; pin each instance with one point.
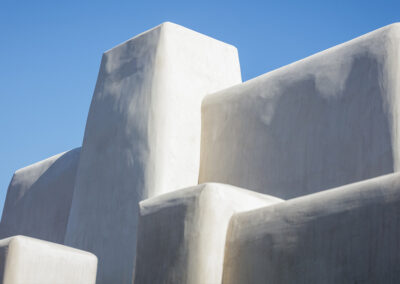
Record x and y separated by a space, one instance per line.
345 235
181 235
325 121
39 198
142 136
25 260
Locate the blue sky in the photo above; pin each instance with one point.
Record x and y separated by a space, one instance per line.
50 53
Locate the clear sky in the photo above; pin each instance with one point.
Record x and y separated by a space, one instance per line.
50 53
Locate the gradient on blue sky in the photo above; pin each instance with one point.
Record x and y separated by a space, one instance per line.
50 53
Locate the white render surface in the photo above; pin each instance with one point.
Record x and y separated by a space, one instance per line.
181 235
348 234
326 121
39 198
25 260
322 122
142 136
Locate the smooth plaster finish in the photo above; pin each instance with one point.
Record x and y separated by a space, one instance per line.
39 198
181 235
25 260
348 234
142 136
322 122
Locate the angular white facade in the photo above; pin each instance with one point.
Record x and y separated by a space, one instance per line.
344 235
142 136
324 121
39 198
25 260
169 110
181 235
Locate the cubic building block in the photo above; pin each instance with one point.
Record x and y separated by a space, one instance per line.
39 198
181 235
325 121
25 260
142 136
348 234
